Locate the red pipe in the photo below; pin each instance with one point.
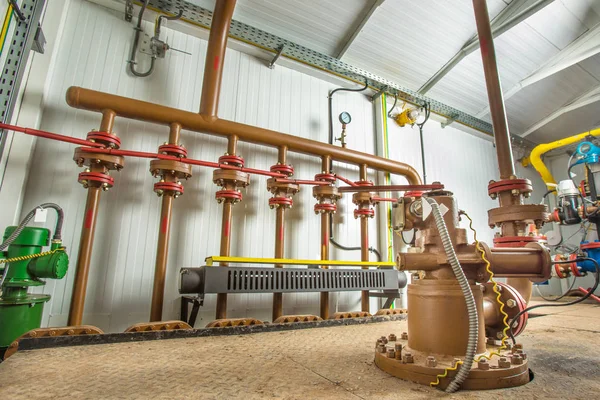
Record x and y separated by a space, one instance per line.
49 135
582 290
303 182
385 199
346 181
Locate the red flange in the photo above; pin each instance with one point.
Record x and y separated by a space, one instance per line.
325 177
173 149
281 201
523 185
574 269
521 304
233 160
105 138
97 177
228 194
168 187
517 241
325 207
283 169
364 212
557 267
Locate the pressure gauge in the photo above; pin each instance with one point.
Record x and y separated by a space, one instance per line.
345 118
584 148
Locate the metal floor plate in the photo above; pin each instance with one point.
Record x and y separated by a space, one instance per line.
333 362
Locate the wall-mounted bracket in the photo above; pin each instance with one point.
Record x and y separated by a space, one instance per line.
277 55
377 95
129 10
449 121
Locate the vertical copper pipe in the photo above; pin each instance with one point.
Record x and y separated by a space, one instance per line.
164 233
86 242
325 235
364 244
221 311
224 251
324 303
215 57
494 89
279 241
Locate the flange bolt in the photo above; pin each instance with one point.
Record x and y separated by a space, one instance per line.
408 358
503 363
517 359
404 336
431 362
483 364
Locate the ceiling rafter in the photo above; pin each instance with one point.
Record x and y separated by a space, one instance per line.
585 46
509 17
590 97
357 27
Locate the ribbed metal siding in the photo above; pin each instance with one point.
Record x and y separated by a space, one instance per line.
92 54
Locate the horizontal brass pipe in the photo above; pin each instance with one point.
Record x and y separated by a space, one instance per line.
92 100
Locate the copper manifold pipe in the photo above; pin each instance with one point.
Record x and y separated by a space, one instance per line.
88 229
279 241
92 100
164 233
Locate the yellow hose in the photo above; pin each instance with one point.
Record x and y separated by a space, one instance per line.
498 296
535 158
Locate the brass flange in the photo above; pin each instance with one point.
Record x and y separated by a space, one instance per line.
535 213
176 168
108 161
223 177
395 358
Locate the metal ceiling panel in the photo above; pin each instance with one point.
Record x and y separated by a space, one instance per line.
519 52
574 122
537 101
320 25
407 41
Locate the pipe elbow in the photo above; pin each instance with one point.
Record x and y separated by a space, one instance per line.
72 96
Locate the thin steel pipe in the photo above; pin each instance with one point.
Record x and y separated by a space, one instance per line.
388 188
88 229
49 135
144 111
164 233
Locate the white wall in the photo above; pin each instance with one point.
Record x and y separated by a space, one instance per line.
92 54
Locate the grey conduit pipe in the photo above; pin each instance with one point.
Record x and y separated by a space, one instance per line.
465 368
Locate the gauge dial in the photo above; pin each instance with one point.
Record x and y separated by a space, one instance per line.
345 117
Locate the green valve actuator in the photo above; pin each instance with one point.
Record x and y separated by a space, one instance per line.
26 265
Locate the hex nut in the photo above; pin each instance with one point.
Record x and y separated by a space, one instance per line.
383 339
392 337
483 364
431 362
391 353
503 362
516 359
381 348
404 336
511 303
523 355
408 358
518 346
499 335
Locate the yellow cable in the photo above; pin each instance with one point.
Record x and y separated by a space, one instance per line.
498 299
31 256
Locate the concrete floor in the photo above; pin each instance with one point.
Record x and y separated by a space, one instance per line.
333 363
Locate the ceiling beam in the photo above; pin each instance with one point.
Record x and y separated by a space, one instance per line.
509 17
582 48
357 27
587 98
